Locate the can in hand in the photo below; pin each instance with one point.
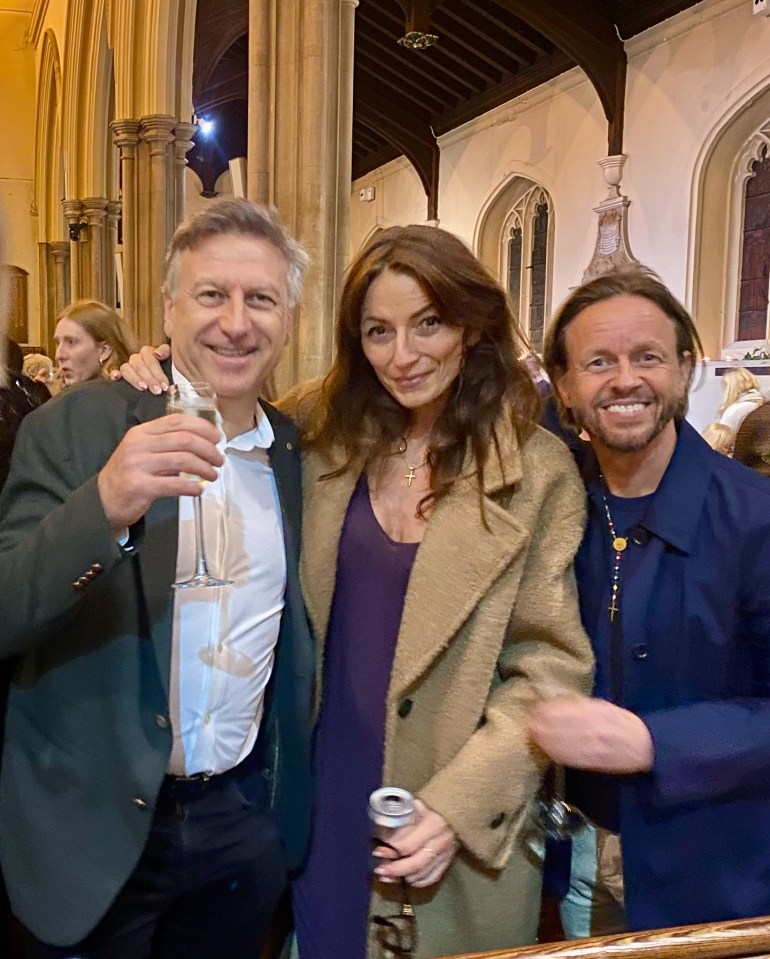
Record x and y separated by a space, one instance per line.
390 808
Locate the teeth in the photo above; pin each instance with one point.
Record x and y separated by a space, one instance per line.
626 407
222 351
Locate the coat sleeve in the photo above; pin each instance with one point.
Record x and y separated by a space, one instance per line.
716 749
485 792
54 537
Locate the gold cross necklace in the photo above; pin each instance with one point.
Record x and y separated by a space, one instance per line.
619 544
411 475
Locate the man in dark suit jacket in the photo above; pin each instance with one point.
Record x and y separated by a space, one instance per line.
155 780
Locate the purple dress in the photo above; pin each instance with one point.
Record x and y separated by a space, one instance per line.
331 897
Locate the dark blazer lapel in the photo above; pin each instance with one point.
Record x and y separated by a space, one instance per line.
284 459
157 553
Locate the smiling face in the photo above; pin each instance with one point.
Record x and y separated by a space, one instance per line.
78 355
227 314
624 381
414 354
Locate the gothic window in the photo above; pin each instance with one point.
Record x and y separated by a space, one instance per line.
755 251
526 257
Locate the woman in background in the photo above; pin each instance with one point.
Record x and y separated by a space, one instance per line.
91 340
752 443
742 395
720 438
39 368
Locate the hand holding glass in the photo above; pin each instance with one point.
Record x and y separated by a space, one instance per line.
196 399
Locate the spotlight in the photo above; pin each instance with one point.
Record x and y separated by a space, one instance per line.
207 127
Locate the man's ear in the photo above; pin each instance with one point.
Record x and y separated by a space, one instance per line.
168 315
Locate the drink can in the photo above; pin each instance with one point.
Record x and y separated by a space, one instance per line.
390 808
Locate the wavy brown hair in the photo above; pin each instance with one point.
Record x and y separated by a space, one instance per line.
357 414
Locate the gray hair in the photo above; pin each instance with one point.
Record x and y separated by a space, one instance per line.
237 216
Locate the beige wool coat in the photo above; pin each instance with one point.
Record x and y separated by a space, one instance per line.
490 623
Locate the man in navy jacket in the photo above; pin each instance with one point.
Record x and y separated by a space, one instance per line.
673 751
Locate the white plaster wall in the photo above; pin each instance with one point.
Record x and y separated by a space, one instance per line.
686 77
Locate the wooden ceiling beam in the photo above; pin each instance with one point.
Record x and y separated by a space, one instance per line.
383 74
488 14
473 51
489 41
417 144
592 42
417 13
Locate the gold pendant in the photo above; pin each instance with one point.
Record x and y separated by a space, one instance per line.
619 544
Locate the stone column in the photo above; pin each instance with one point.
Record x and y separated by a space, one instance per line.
183 142
126 138
157 132
300 125
73 211
95 210
60 252
110 248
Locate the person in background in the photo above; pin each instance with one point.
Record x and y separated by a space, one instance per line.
720 438
18 398
670 760
39 367
752 442
440 526
741 395
91 341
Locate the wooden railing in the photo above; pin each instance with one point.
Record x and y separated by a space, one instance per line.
737 939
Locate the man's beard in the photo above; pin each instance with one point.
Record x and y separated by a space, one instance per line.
631 439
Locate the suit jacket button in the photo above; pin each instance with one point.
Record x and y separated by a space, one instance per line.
405 707
497 821
640 651
139 802
161 721
97 568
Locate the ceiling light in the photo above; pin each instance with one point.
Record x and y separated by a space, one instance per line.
417 40
207 127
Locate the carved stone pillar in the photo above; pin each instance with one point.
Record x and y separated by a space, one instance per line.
613 250
60 253
183 142
126 138
157 132
110 248
300 145
73 211
95 210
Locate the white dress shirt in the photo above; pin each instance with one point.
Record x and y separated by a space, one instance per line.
224 637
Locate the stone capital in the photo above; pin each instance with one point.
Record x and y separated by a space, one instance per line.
114 212
125 135
158 131
95 209
60 250
73 210
183 141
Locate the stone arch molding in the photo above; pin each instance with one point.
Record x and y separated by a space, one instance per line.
716 218
49 178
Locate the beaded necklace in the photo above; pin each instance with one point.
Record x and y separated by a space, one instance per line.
619 544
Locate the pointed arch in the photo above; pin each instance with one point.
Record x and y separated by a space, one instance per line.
49 174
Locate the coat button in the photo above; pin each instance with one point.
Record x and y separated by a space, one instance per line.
640 651
161 722
289 446
139 802
639 535
497 821
404 708
97 568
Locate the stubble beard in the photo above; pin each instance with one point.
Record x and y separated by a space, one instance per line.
633 440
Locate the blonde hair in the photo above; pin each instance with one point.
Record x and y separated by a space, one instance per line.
35 363
103 325
737 382
720 438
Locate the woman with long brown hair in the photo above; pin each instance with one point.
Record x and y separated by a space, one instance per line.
439 529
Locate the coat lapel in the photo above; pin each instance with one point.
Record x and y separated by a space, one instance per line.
157 554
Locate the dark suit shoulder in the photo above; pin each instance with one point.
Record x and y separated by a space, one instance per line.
280 422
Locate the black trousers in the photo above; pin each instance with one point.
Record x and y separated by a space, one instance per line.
207 884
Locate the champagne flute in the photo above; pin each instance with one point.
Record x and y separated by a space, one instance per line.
196 399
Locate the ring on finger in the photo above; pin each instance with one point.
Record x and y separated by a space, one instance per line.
433 852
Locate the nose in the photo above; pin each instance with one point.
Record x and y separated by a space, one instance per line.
59 354
234 319
404 353
626 375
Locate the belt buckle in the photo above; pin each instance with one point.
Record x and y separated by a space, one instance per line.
195 778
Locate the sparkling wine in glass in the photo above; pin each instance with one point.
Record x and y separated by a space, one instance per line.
196 399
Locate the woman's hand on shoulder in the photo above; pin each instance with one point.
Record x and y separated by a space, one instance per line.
425 850
143 370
